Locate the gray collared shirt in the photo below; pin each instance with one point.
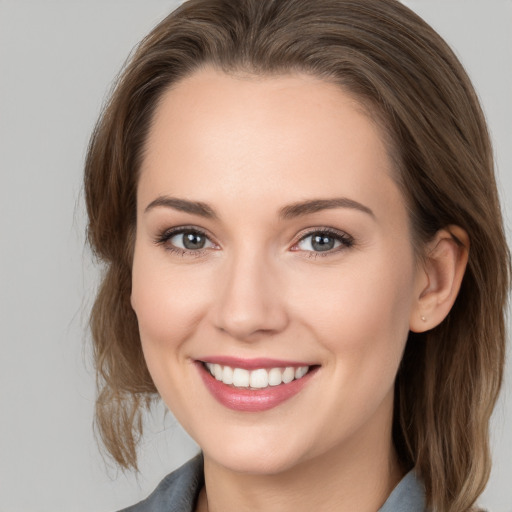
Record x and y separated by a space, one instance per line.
178 492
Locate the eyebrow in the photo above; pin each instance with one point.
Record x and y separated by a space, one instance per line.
317 205
288 212
183 205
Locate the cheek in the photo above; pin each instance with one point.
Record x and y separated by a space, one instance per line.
168 307
168 303
361 312
361 320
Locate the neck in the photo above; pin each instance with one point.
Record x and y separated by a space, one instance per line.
347 478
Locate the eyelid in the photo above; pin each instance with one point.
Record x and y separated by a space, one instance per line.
346 240
164 236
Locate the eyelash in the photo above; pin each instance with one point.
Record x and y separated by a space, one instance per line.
164 238
345 240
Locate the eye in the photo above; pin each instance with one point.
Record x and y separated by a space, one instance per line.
190 240
184 240
323 241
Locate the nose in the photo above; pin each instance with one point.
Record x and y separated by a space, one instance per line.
250 302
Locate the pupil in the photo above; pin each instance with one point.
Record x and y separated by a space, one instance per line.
322 243
193 241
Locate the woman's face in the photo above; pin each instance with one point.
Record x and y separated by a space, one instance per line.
271 240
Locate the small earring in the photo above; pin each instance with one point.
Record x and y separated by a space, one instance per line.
424 318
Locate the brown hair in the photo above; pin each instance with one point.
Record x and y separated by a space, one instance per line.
400 69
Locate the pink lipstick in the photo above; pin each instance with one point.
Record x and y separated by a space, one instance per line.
253 385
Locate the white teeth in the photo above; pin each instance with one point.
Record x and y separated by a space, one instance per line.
256 379
240 378
288 375
259 379
227 375
217 371
301 371
275 376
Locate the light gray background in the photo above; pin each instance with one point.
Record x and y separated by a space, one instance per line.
57 59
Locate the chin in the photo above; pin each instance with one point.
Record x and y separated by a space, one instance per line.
257 458
266 464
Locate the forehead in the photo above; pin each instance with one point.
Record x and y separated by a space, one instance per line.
262 137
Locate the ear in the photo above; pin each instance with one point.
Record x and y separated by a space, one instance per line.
438 280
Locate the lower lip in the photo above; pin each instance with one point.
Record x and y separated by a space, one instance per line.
252 400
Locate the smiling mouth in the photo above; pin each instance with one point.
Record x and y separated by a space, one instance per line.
260 378
254 385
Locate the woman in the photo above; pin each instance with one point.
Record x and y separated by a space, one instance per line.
305 258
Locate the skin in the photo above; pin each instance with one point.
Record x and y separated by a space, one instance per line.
249 147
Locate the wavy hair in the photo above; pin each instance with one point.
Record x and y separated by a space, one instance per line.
402 72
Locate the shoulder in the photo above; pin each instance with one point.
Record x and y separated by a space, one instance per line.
407 496
177 492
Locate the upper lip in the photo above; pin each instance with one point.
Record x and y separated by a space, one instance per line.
253 363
